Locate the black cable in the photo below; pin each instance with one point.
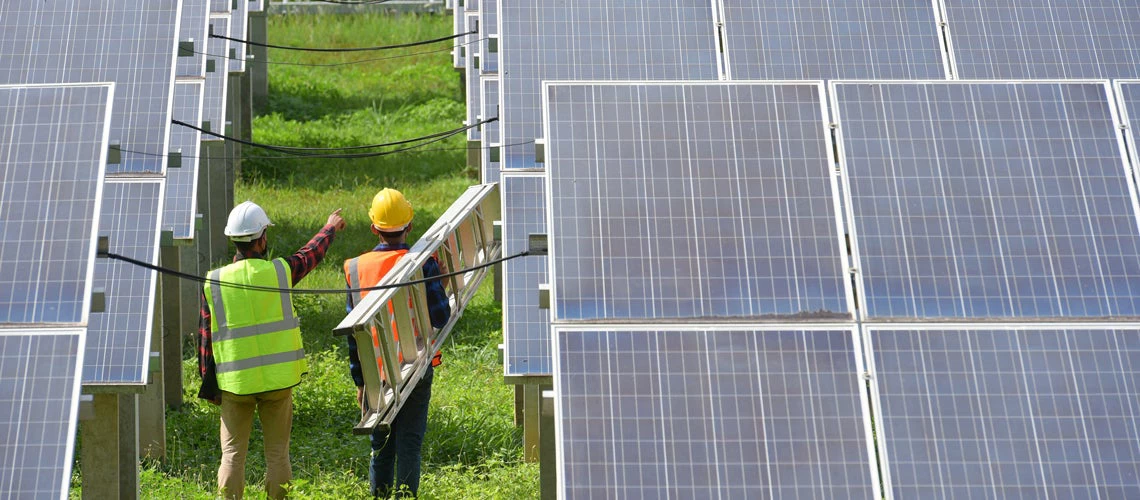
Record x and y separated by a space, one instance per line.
334 65
364 2
297 151
254 157
312 291
348 49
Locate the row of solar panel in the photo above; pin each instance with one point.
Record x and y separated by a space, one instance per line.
58 138
755 411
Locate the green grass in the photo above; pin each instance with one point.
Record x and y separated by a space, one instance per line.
472 449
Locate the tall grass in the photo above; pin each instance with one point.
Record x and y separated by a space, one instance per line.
472 449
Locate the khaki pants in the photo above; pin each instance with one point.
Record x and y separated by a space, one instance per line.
275 409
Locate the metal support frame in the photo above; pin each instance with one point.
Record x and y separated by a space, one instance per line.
548 458
110 456
171 344
460 240
152 402
212 203
259 69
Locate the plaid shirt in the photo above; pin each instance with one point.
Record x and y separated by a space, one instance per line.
439 308
300 263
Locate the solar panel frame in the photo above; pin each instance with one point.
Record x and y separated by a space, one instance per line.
488 35
118 341
97 176
93 53
526 327
883 413
60 373
180 209
858 255
836 214
195 25
239 28
962 69
838 37
1128 108
217 82
544 41
712 331
473 82
489 92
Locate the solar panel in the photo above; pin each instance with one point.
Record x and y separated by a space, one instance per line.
256 6
526 328
793 39
492 147
221 6
488 34
118 338
214 103
459 19
1008 412
693 200
1128 96
53 148
195 27
1010 39
473 82
707 412
239 26
594 40
181 207
39 395
130 43
989 200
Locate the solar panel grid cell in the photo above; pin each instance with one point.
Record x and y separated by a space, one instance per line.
488 33
736 412
594 40
693 200
526 327
180 209
239 27
1008 412
39 391
131 43
491 137
474 97
989 200
217 81
118 338
194 27
53 148
827 39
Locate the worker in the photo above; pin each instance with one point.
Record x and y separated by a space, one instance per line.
396 451
250 354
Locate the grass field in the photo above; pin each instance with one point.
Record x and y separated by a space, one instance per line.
472 449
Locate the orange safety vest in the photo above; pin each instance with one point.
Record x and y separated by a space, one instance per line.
366 271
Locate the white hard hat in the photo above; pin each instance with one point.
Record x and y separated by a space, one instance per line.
247 221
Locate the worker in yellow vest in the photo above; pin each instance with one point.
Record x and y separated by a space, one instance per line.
250 354
395 454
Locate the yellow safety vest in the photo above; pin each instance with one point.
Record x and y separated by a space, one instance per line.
256 334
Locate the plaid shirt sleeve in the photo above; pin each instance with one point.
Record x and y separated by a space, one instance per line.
301 264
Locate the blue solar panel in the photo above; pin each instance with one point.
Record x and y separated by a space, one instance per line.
239 26
53 148
734 412
118 338
214 103
130 43
492 147
1128 97
989 200
474 98
1011 39
181 208
488 34
526 328
194 27
39 393
1008 412
594 40
693 200
795 39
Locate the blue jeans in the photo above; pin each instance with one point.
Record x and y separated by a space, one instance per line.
398 451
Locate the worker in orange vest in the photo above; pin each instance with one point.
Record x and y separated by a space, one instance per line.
395 454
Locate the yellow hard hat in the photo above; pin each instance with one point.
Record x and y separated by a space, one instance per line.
390 211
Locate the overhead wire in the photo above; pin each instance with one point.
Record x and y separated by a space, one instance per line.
345 63
309 291
291 157
345 49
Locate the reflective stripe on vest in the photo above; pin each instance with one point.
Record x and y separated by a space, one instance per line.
224 332
257 344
